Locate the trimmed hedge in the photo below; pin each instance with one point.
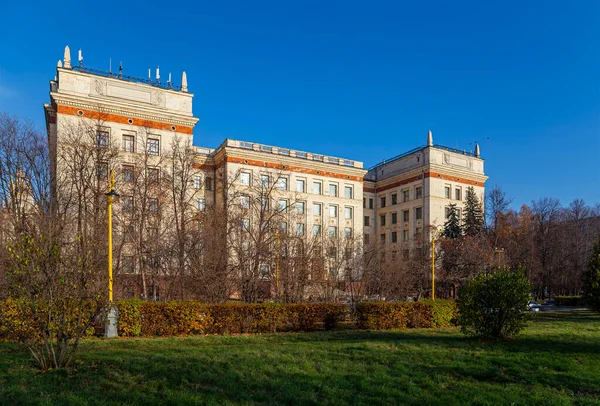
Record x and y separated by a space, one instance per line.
568 301
138 318
386 316
147 319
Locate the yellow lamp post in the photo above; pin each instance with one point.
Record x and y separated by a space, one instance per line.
433 231
110 330
433 267
278 239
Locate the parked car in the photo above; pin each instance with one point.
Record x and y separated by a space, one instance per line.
549 302
533 306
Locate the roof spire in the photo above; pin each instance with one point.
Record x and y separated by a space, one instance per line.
477 150
429 139
67 58
59 64
184 82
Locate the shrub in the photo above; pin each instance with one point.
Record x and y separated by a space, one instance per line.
568 301
591 280
494 305
443 313
138 318
386 316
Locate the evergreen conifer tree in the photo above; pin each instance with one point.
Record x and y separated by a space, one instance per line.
474 220
452 226
591 281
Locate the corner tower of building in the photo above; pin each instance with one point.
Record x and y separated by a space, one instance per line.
118 104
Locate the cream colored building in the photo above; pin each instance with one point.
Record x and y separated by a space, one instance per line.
406 198
395 203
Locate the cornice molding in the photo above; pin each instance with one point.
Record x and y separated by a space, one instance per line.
66 101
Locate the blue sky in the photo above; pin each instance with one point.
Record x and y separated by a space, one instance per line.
361 80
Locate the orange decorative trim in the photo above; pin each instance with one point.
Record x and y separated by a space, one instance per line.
292 168
427 175
204 166
116 118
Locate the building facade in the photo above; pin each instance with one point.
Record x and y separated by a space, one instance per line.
136 123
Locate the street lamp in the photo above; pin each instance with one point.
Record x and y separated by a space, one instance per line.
278 239
433 231
498 251
110 329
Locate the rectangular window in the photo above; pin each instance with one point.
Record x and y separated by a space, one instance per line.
418 192
245 178
348 192
128 265
333 189
102 170
405 196
152 175
208 183
394 236
447 192
197 182
127 203
127 173
394 198
152 205
282 184
382 201
317 209
201 204
317 188
446 212
366 238
283 227
300 230
418 213
102 139
347 213
382 220
264 181
316 230
153 146
333 210
282 205
371 204
457 193
264 203
364 202
128 143
300 185
245 224
300 207
332 231
394 218
406 215
382 237
245 202
418 231
348 233
367 221
405 235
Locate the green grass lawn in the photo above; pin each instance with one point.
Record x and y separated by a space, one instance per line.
556 361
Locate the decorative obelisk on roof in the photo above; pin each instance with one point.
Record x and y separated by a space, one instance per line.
477 151
184 82
429 139
67 58
59 64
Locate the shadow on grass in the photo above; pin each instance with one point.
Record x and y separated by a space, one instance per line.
339 367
